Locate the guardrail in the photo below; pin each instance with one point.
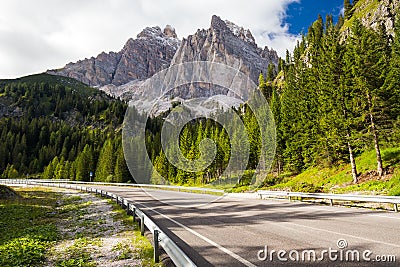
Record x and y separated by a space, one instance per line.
179 258
150 186
331 197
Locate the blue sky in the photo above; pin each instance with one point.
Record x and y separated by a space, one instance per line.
301 15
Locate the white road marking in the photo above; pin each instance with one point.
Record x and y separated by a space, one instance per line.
225 250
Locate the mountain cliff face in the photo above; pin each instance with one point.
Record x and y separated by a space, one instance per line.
140 58
225 42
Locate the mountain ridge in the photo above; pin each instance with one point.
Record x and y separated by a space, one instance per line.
140 58
118 73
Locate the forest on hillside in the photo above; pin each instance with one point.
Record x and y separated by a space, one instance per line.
60 131
336 96
341 97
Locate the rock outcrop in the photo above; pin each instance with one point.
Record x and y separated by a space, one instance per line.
372 14
140 58
384 13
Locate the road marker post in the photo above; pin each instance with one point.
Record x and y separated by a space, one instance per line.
156 247
128 211
142 225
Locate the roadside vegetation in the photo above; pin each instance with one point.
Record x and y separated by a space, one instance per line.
338 179
28 227
47 228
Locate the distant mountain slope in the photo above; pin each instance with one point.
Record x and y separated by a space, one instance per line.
56 126
140 58
60 99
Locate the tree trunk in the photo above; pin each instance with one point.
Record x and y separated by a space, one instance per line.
352 161
351 154
375 134
279 166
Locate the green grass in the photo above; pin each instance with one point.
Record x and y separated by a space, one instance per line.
338 179
79 254
143 247
27 227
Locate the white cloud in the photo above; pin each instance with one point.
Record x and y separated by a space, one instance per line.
44 34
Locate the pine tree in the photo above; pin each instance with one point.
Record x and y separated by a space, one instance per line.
348 12
122 174
105 164
83 165
369 63
50 171
391 87
271 74
280 142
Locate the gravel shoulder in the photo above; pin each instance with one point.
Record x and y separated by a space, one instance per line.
95 232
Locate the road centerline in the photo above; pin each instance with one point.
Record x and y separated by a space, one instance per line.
206 239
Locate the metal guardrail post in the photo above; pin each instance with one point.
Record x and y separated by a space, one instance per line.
127 208
395 208
331 202
142 225
156 247
134 215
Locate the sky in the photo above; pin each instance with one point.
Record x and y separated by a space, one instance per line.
46 34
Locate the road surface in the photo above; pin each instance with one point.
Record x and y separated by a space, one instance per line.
239 232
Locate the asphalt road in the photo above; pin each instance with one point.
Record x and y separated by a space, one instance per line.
235 232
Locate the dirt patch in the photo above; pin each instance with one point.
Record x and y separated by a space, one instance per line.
373 176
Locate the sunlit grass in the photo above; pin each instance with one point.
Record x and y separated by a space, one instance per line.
27 227
338 179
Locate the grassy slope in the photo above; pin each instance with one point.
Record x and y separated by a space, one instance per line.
338 179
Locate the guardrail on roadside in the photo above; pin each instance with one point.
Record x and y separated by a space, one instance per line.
331 197
179 258
150 186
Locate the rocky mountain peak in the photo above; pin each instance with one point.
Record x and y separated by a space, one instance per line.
150 32
139 59
218 25
240 32
169 31
225 42
155 32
